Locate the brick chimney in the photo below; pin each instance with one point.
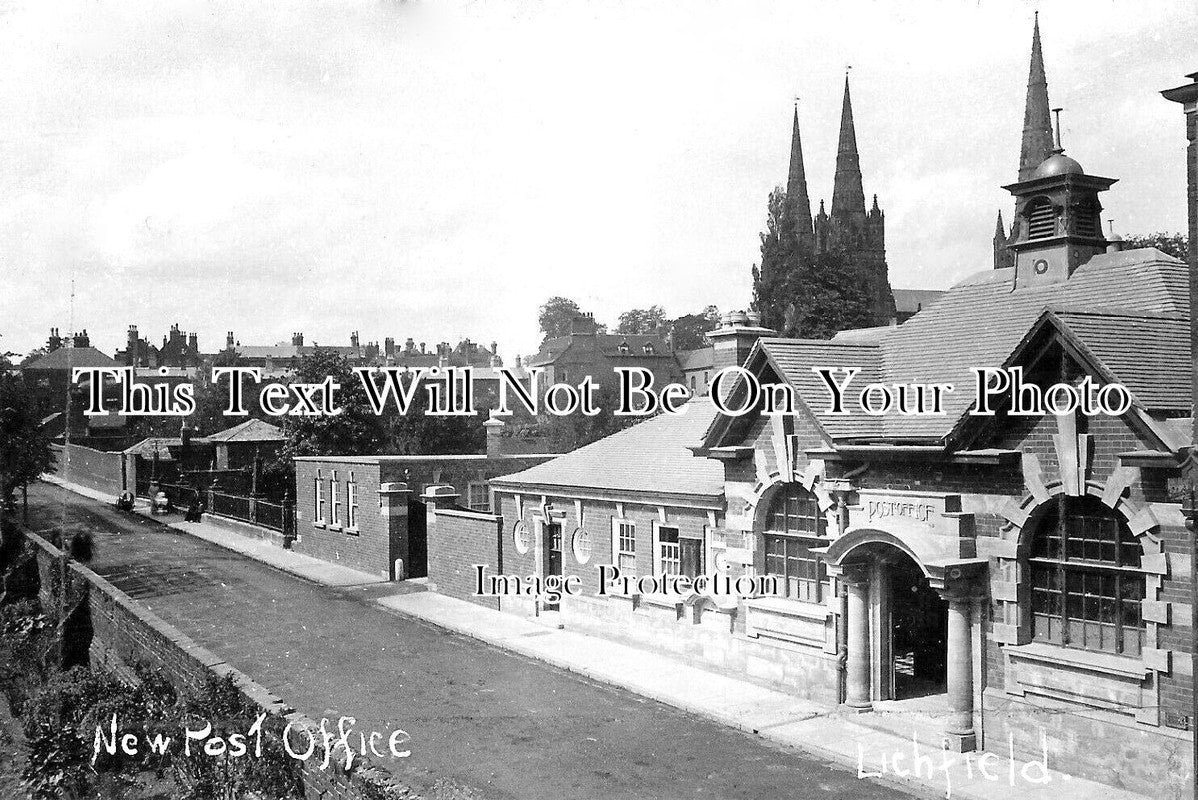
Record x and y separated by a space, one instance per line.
297 340
1188 97
54 342
389 346
353 339
735 337
583 325
229 340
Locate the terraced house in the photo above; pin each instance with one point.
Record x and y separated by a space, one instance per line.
995 580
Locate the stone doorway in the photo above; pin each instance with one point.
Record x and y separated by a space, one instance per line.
918 633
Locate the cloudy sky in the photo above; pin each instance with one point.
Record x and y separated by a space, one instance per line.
437 170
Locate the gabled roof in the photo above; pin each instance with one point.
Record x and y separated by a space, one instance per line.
252 430
913 300
1128 311
609 344
65 358
161 445
651 457
981 320
1147 354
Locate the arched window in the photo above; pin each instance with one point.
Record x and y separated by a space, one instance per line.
794 524
1087 585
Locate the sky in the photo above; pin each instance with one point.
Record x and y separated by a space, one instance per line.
438 170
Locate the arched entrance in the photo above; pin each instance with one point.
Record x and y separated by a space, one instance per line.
918 632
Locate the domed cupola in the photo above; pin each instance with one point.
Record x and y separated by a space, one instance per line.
1057 218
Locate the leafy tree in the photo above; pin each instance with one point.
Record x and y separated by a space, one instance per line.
690 330
804 294
33 355
212 397
1174 244
556 315
357 430
24 449
417 433
642 320
575 430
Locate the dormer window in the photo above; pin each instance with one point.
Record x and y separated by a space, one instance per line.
649 349
624 348
1041 219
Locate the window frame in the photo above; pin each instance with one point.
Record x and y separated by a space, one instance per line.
623 531
318 517
794 521
334 502
1069 601
351 505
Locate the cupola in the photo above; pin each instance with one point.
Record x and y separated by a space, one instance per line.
1057 218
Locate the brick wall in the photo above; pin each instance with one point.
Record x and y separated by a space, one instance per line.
126 633
457 540
367 549
95 469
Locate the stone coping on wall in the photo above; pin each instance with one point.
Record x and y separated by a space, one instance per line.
319 781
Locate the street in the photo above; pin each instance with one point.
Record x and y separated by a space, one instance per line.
483 723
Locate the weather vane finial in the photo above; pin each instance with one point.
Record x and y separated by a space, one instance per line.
1057 113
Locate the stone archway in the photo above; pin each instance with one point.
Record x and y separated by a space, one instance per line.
872 564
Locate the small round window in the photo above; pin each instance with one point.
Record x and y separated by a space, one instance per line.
582 545
521 537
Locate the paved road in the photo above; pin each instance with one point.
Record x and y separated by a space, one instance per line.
484 723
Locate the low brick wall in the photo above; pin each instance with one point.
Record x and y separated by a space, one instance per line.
95 469
458 539
126 633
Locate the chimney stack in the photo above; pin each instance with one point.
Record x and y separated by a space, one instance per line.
389 346
229 340
732 341
297 339
353 339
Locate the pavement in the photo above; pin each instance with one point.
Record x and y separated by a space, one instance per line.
875 755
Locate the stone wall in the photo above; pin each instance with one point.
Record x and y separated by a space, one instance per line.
95 469
124 633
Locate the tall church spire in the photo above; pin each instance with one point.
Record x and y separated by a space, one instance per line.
848 198
1037 121
798 203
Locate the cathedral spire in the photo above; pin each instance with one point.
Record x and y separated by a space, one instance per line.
848 198
798 203
1037 120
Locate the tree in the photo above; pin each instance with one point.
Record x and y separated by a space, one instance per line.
805 294
357 430
825 296
418 433
556 315
641 320
1174 244
690 330
576 430
24 449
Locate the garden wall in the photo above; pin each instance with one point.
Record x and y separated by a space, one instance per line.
125 633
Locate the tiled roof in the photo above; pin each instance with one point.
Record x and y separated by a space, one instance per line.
794 360
912 300
981 320
1146 354
72 357
703 358
650 457
252 430
607 343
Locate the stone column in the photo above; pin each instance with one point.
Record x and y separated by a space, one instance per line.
393 507
857 674
960 736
